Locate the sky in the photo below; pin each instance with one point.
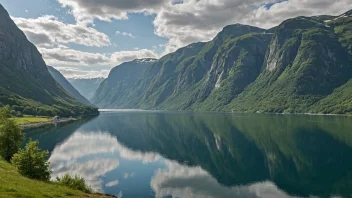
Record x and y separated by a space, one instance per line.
86 38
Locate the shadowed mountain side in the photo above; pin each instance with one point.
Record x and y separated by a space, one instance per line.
25 82
67 86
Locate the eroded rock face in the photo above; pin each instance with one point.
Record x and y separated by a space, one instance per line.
24 77
16 50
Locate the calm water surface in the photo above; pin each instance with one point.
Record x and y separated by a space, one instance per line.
164 154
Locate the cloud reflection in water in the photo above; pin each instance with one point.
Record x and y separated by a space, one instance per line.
92 155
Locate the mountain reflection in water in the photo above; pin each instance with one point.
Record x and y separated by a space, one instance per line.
163 154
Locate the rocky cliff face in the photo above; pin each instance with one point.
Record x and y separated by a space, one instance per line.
25 81
288 68
185 78
305 62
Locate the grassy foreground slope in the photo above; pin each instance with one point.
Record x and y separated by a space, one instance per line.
13 184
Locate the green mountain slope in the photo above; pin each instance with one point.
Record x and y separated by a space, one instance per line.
119 83
288 68
67 86
86 87
339 102
188 76
25 82
305 62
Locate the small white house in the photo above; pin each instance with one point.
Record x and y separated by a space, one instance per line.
56 118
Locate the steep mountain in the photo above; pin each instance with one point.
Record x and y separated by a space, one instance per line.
86 86
305 62
294 67
67 86
119 82
25 82
188 76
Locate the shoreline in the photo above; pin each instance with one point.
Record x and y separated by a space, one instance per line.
39 124
227 112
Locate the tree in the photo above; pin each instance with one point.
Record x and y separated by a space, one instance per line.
10 138
4 113
31 162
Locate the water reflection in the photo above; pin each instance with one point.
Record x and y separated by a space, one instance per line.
89 155
143 154
183 181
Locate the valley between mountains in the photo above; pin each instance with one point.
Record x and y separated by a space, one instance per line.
304 65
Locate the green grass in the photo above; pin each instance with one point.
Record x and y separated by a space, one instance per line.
12 184
30 120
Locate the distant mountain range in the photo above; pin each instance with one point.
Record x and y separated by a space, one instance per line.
86 87
25 82
67 86
304 65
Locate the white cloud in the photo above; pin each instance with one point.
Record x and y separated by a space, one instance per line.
125 34
70 57
112 183
181 21
187 21
48 31
77 64
77 72
193 20
85 11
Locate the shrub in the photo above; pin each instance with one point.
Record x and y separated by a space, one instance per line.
19 114
31 162
76 183
13 112
4 113
10 139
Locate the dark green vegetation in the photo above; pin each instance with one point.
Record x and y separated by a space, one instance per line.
25 82
302 66
67 86
10 135
31 162
86 87
75 182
